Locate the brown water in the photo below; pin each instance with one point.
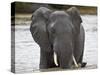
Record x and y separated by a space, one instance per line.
27 51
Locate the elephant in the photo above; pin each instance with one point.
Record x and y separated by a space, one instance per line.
61 33
67 36
40 35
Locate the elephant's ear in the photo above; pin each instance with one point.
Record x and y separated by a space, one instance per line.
47 13
42 12
75 17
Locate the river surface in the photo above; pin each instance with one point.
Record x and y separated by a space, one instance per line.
27 51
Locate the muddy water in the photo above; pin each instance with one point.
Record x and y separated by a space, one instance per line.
27 51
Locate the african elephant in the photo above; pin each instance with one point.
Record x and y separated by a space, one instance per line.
60 32
40 35
66 35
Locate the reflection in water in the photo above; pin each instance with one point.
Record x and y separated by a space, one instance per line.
27 51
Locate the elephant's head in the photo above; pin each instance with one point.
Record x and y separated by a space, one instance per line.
62 26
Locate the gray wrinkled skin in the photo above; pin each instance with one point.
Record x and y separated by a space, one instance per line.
60 32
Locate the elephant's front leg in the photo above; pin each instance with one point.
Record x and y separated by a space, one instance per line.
46 59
